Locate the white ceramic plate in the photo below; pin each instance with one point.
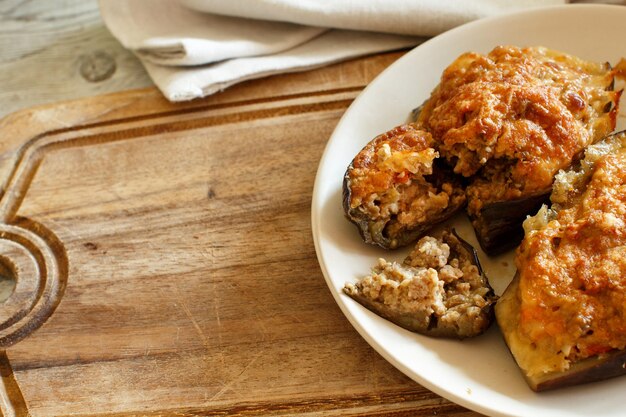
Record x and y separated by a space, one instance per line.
480 373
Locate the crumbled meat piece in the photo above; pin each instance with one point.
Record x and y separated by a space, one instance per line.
436 290
429 253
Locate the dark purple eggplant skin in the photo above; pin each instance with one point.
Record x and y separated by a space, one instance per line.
598 368
415 113
441 174
428 325
498 226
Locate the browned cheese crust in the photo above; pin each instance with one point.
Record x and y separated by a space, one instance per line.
513 118
399 157
393 191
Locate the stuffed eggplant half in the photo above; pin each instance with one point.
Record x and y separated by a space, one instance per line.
564 315
439 290
395 189
509 121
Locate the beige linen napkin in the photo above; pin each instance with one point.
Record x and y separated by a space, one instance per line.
193 48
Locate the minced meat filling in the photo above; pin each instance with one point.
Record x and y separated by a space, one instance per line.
433 283
416 203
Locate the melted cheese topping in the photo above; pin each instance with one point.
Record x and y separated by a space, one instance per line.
391 159
512 118
390 184
572 288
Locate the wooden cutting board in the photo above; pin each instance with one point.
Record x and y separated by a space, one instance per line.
165 264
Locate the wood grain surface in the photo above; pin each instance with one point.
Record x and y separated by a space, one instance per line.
59 50
165 264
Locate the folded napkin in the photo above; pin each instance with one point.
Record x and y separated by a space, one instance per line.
193 48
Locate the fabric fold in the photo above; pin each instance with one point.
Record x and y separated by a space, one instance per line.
186 83
194 48
166 33
417 17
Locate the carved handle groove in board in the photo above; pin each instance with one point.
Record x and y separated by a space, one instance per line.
36 259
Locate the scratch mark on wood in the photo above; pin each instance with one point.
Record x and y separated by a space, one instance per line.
185 308
216 297
238 378
50 116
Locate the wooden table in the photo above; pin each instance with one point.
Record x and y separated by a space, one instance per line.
60 50
163 253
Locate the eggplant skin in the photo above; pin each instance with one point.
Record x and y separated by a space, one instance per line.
597 368
428 180
498 225
469 320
